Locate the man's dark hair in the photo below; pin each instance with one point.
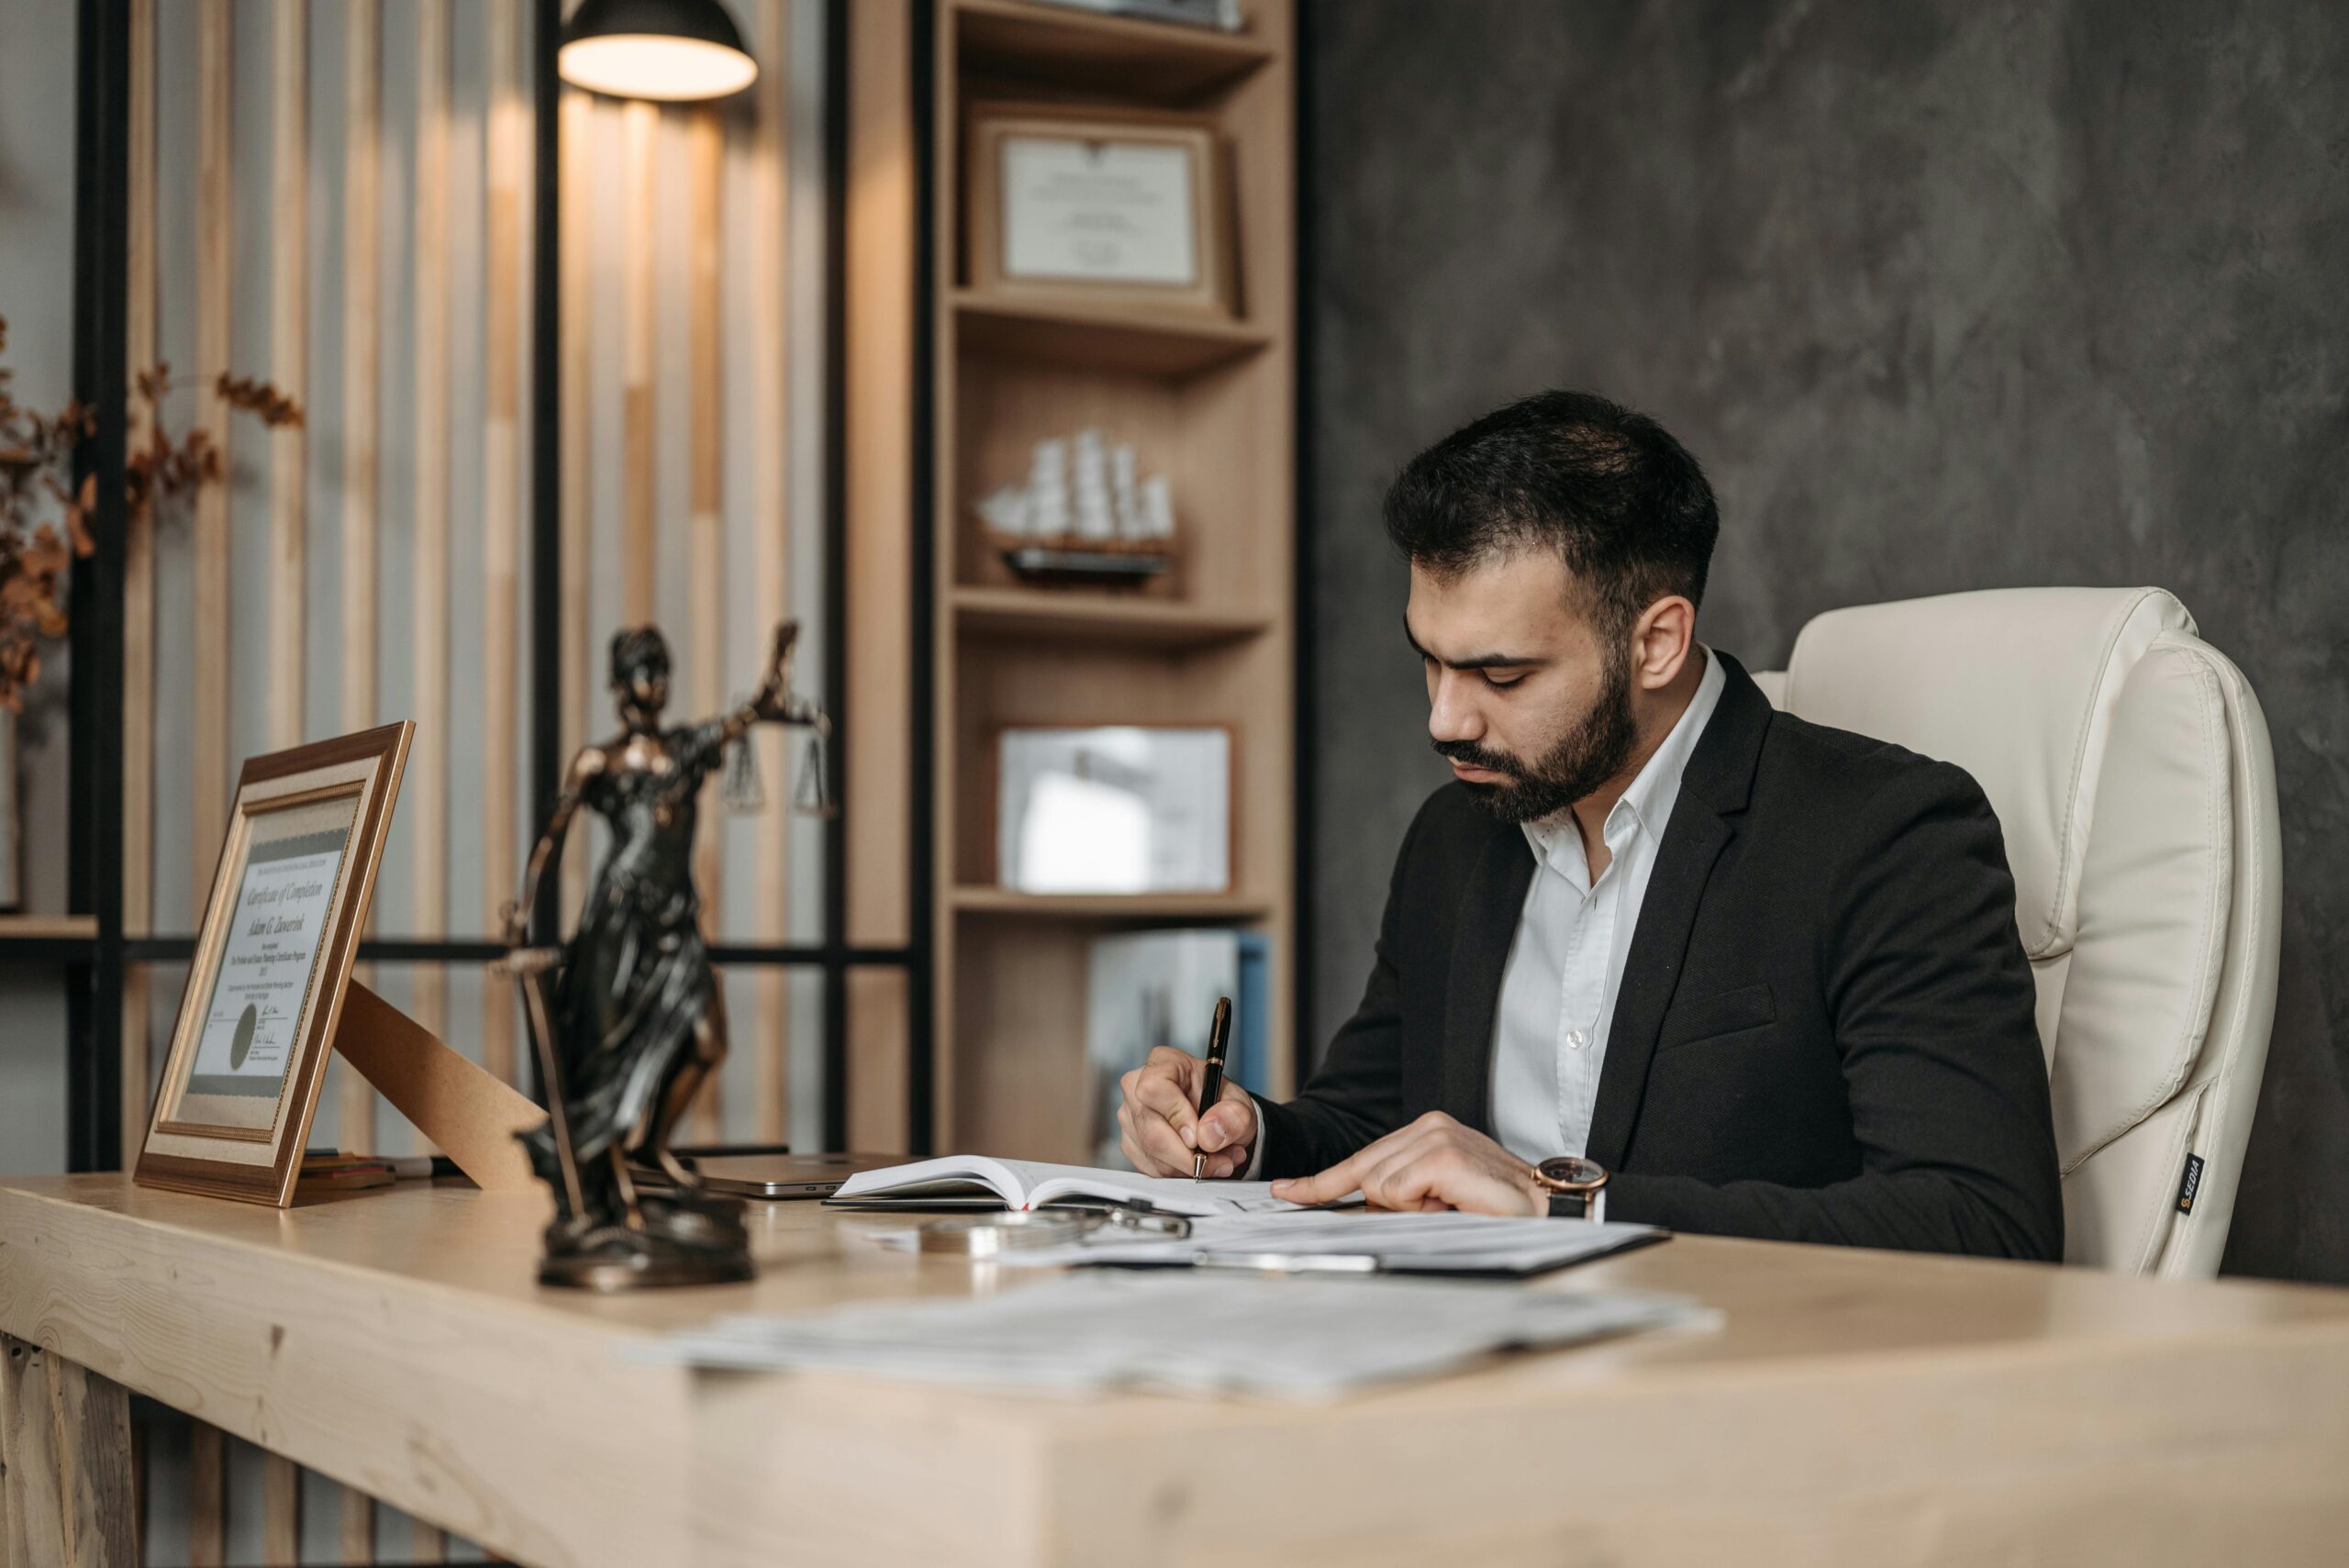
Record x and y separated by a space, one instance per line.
1608 488
637 648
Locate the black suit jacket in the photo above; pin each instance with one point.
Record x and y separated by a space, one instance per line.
1824 1031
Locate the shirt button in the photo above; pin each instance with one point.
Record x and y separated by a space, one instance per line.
1577 1039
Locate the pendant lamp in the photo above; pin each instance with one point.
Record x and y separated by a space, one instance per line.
675 51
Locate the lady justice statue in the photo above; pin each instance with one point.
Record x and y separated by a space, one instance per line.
633 1022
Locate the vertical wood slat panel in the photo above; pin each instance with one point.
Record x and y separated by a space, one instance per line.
878 453
65 1438
501 505
639 123
208 1495
357 1541
139 591
289 343
706 152
362 339
426 790
140 1496
208 717
771 539
578 474
208 746
290 350
288 498
281 1512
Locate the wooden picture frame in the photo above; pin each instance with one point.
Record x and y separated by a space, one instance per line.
1224 844
280 930
1156 234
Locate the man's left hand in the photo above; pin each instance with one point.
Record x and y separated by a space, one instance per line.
1434 1163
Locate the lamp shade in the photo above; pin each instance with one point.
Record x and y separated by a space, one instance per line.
670 49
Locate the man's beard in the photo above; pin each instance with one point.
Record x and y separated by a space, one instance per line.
1585 758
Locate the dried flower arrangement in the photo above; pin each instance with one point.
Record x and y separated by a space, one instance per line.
36 474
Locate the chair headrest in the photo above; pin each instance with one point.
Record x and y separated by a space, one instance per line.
2042 668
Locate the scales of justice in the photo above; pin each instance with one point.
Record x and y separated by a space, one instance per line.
627 1018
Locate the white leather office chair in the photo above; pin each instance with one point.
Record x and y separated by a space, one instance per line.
2129 764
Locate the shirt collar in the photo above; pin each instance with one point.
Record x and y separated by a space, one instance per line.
1647 804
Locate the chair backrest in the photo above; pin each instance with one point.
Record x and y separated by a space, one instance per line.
2129 764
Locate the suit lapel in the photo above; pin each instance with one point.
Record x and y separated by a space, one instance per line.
1487 923
1675 886
1713 791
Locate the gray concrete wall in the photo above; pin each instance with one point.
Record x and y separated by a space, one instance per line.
1945 295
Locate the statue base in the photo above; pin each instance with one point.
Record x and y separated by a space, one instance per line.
684 1239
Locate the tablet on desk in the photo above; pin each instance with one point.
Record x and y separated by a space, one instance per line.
769 1175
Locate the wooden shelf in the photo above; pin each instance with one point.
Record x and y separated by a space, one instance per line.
1214 907
1121 56
49 928
47 939
1077 616
1103 338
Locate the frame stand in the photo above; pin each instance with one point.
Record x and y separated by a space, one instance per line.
469 1113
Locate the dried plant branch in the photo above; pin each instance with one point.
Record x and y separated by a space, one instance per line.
36 477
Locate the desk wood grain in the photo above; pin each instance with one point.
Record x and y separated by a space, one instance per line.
1854 1407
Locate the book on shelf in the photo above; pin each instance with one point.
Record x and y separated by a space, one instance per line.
1221 15
1145 989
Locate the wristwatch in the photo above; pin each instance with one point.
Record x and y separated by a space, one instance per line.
1577 1187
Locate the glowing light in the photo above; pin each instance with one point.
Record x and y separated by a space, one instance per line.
672 51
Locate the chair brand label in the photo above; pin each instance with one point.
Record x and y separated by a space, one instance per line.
2193 1180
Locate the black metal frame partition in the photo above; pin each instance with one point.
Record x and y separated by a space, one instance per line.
94 964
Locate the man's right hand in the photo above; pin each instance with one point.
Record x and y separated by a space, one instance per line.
1159 1126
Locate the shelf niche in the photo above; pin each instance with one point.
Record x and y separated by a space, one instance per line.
1207 401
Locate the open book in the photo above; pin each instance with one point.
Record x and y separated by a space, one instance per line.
1026 1184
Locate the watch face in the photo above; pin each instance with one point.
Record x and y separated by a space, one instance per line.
1573 1170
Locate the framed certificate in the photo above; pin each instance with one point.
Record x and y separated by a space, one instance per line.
1125 208
266 988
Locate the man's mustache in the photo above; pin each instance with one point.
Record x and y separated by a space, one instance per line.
1476 756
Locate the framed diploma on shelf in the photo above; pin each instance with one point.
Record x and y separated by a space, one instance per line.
1099 206
265 987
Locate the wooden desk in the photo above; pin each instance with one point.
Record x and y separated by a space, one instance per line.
1861 1407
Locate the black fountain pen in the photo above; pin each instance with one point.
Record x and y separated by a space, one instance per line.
1211 1087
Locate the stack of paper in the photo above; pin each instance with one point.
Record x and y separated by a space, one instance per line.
1317 1240
1184 1333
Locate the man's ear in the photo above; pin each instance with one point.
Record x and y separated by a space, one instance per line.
1662 639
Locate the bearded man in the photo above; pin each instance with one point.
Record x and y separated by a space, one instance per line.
1659 952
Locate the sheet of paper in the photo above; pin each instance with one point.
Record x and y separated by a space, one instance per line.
1445 1242
1182 1332
275 929
1175 1194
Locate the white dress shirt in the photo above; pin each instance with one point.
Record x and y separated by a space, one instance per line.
1566 964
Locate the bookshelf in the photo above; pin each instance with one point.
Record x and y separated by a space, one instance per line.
1207 401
